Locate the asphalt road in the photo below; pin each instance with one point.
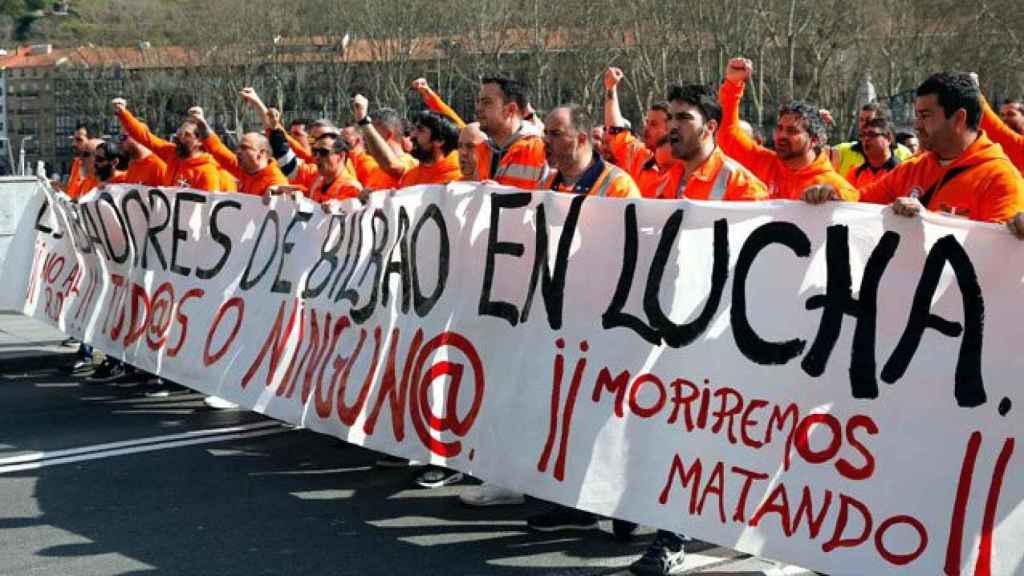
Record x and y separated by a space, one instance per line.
96 479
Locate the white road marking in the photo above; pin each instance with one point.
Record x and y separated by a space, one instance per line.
34 460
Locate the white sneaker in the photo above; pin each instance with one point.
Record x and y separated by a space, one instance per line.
488 494
218 403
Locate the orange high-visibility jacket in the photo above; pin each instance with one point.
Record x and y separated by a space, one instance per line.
718 178
1000 133
443 172
200 172
989 188
602 178
783 183
342 187
255 184
521 163
148 171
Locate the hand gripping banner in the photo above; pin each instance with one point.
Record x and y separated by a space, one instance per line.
832 386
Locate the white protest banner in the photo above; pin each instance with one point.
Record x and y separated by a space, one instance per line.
831 386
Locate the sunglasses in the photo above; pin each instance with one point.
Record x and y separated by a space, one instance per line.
321 152
869 135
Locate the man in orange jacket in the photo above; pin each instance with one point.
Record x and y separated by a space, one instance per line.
514 153
800 158
702 170
878 144
576 166
187 164
255 170
646 161
961 172
382 136
434 142
79 147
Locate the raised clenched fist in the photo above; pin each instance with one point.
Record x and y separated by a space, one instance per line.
119 104
739 70
612 77
420 85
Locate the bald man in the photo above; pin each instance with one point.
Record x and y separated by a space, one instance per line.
251 163
469 138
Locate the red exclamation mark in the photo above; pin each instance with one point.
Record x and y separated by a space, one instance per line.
963 496
983 567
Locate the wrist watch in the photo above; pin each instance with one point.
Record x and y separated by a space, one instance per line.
366 121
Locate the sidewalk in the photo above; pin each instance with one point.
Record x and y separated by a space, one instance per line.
27 344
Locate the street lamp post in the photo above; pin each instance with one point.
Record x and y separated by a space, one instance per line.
21 155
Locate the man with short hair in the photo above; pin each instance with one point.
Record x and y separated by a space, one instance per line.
382 135
909 141
879 149
79 141
514 154
702 170
851 154
647 161
187 164
799 159
961 172
576 165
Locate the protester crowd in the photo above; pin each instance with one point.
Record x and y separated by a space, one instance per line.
963 159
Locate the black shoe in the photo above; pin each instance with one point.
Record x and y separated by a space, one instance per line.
109 371
623 529
663 557
562 518
105 370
